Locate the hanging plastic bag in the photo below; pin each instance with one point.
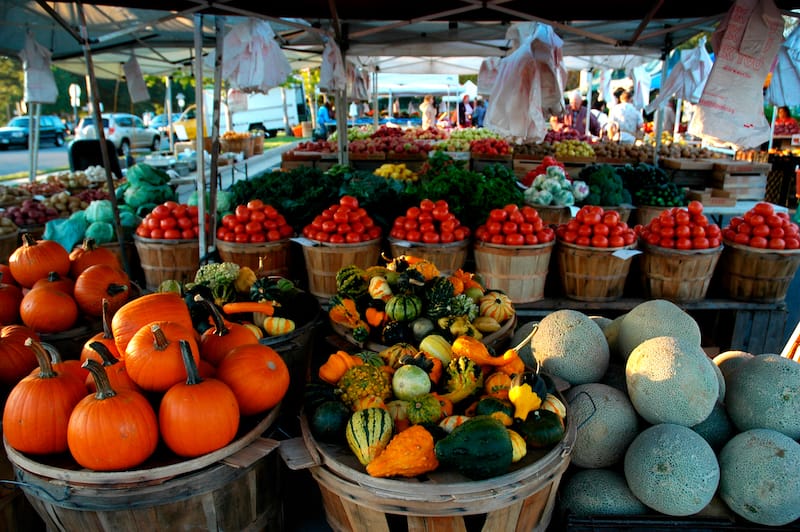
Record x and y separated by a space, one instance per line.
784 87
137 88
641 86
687 78
731 108
332 74
487 75
254 62
40 84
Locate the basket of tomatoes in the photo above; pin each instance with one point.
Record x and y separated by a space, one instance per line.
431 232
512 252
167 244
680 252
761 255
256 235
594 254
340 235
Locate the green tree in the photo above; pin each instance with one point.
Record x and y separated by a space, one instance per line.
11 86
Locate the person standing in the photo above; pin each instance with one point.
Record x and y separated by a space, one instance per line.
479 113
599 113
428 111
323 117
464 112
575 116
625 120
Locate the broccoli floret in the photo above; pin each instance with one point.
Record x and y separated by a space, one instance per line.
462 378
220 278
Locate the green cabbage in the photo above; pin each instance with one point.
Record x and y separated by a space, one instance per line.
138 195
100 211
101 232
144 174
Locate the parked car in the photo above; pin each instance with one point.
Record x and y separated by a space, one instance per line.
159 122
16 133
125 131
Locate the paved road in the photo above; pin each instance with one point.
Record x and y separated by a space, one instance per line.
14 160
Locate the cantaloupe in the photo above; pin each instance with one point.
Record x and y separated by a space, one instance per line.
720 381
765 393
729 361
671 469
612 336
657 317
601 322
671 381
606 424
593 492
717 428
760 477
615 377
571 346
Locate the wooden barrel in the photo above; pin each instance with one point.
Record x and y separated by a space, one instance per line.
447 257
233 488
593 274
16 513
522 499
167 259
275 256
554 214
676 274
324 259
761 275
518 271
645 213
8 243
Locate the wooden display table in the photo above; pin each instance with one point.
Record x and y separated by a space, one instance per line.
730 325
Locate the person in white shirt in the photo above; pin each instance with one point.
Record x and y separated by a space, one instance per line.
428 111
625 121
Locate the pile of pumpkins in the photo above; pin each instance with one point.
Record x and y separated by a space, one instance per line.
147 377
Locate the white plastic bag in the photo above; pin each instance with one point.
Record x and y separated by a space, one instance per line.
332 74
605 92
40 84
784 87
641 87
731 108
253 60
137 88
687 78
487 75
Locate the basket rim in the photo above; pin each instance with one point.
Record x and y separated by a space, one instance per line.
671 251
576 246
484 244
253 245
760 251
137 238
411 244
320 243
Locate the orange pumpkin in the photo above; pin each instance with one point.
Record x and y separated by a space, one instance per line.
197 416
34 259
16 360
89 254
71 366
10 298
148 308
113 429
153 356
47 310
115 368
8 278
217 341
99 282
104 337
257 375
59 282
38 408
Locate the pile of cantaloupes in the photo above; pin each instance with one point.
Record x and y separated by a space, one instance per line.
664 429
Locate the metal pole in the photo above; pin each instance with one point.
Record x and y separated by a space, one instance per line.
772 127
168 110
33 139
200 133
219 25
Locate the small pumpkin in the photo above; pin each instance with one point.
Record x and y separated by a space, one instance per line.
336 365
136 313
496 305
111 430
34 259
376 318
10 298
48 310
351 281
394 354
257 375
424 409
542 428
497 385
59 282
451 422
518 446
99 282
398 409
197 416
403 307
217 341
409 454
62 366
379 288
153 355
89 254
527 393
116 371
104 337
436 345
16 360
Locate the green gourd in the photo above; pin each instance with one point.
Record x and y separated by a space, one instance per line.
479 448
404 307
368 432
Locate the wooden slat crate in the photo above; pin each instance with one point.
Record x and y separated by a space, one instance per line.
743 179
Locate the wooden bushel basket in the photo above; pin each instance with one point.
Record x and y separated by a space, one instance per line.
447 257
324 260
522 499
553 214
167 259
275 256
644 213
8 244
678 275
518 271
761 275
592 274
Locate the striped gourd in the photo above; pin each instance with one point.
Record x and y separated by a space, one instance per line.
403 307
351 281
368 433
276 326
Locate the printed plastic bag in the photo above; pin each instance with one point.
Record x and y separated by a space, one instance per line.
487 75
40 84
784 87
332 74
253 60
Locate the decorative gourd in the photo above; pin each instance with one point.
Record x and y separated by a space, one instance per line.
396 332
379 288
480 448
370 357
277 326
428 269
394 354
474 349
58 282
111 430
445 403
153 355
376 318
38 407
47 310
554 404
361 381
217 341
497 385
528 391
99 282
329 420
10 298
368 401
409 453
404 307
339 362
520 448
399 412
451 422
343 312
138 312
496 305
424 409
430 364
368 432
440 292
197 416
500 409
34 259
16 360
436 345
542 428
257 375
116 371
104 337
351 281
89 254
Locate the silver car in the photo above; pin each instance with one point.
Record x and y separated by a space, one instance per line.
127 132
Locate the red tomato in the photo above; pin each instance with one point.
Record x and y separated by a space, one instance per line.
424 217
322 236
667 220
161 211
242 213
426 205
498 215
611 218
683 231
667 232
348 201
600 241
481 233
698 231
754 219
526 228
773 220
397 233
272 212
185 223
427 228
570 237
735 221
258 238
493 227
714 242
682 217
700 242
529 212
683 243
583 241
357 227
776 243
352 237
192 211
545 234
410 224
414 236
758 242
531 239
143 231
448 226
777 232
573 225
792 242
342 229
180 210
592 218
601 229
497 239
763 208
700 219
337 238
728 234
430 237
629 238
229 220
515 239
713 231
446 237
695 207
742 238
516 216
653 238
171 234
329 226
239 229
666 243
152 222
413 212
509 228
254 204
341 216
584 230
460 233
186 234
269 223
253 227
744 228
440 213
230 237
367 222
760 230
616 241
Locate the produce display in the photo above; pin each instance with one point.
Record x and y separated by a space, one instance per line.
605 186
761 227
572 148
650 185
7 226
170 221
144 188
682 228
514 226
490 146
397 171
254 222
594 227
30 212
345 222
12 195
452 144
430 222
551 186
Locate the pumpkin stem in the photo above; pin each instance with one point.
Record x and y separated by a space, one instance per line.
105 354
104 389
52 352
43 358
53 277
160 339
114 289
220 329
527 338
89 244
28 240
106 319
192 374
